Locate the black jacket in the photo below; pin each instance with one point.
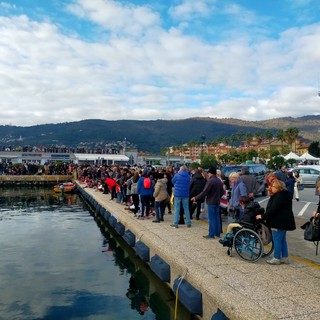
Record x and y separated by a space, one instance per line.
279 213
249 213
197 184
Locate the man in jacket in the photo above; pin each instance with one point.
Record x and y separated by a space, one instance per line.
250 181
213 190
181 183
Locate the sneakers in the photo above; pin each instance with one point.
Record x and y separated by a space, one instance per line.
207 237
156 220
274 261
285 261
174 226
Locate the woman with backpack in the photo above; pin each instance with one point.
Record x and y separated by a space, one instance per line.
145 191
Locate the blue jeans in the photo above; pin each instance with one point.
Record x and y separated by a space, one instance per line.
214 220
160 207
280 243
177 205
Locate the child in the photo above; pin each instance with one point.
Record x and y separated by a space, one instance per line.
248 211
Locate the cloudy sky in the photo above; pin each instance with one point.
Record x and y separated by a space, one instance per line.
69 60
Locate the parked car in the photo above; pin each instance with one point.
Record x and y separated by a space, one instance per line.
259 170
308 173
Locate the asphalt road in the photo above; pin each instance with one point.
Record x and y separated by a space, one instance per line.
304 207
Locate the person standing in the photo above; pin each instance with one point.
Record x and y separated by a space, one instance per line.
279 217
197 185
181 183
238 189
250 181
213 192
133 184
168 175
290 182
317 192
145 191
281 173
298 181
160 196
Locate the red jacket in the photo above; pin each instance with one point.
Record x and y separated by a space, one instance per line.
110 182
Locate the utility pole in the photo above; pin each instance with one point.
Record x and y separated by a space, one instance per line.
124 145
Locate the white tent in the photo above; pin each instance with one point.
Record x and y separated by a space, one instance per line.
292 155
308 156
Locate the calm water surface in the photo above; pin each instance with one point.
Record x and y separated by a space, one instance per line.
59 261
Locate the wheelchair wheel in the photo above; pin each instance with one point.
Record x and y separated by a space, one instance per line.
268 249
248 245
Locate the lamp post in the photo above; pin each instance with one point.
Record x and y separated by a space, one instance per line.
203 138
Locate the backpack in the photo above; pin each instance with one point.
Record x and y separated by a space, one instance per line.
147 183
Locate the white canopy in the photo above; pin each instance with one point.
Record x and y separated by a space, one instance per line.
292 155
308 156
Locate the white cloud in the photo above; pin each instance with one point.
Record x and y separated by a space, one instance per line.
116 17
46 76
189 9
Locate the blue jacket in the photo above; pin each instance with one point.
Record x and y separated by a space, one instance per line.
142 191
181 183
239 189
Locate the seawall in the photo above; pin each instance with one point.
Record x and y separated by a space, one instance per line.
238 289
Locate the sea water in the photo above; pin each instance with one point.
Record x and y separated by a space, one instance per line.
58 260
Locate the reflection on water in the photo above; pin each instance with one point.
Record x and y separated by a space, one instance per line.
56 264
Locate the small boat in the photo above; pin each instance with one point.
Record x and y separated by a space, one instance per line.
65 187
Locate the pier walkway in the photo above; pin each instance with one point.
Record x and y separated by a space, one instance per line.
241 290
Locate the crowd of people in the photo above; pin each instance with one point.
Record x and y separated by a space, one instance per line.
149 192
30 168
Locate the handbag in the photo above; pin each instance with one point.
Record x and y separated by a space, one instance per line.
312 231
300 187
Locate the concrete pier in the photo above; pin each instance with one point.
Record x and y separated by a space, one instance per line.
241 290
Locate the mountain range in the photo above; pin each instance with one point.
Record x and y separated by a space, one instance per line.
149 136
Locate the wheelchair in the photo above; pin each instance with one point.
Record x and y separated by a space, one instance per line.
247 243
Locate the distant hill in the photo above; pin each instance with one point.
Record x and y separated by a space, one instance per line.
149 136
